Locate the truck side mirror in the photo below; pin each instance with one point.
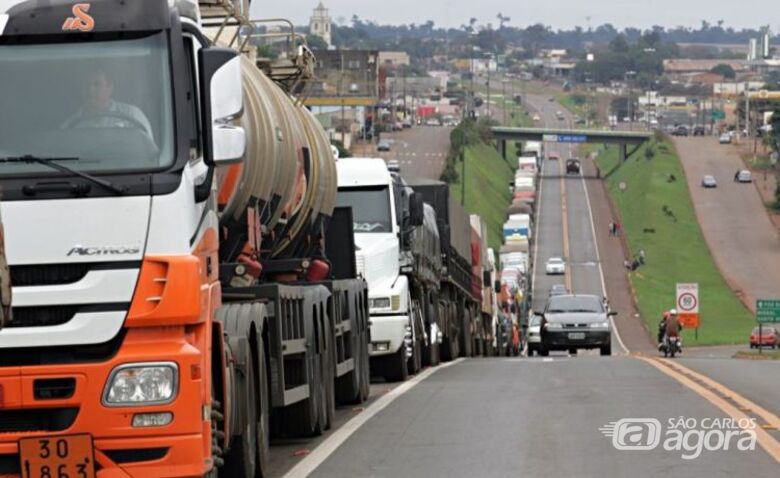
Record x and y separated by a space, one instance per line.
416 210
222 99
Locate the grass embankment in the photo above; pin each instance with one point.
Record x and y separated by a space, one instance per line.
674 245
487 188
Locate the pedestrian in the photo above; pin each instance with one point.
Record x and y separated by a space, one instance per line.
618 228
611 228
736 176
642 256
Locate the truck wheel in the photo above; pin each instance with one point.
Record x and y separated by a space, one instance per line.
572 351
396 369
264 405
241 460
606 350
446 349
431 356
302 419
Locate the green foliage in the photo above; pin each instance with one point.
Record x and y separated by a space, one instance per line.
316 42
343 152
487 187
773 138
724 70
267 51
676 250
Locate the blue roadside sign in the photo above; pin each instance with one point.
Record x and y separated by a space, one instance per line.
572 138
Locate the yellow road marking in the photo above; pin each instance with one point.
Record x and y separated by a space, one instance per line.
743 403
679 373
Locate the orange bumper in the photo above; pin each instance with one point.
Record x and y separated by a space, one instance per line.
181 448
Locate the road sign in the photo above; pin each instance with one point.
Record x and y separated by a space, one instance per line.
718 115
768 311
572 138
552 138
688 305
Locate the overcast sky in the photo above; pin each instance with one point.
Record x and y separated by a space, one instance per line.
557 13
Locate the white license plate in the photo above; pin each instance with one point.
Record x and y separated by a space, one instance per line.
577 336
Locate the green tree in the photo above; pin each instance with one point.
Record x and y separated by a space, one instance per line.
316 42
267 51
724 70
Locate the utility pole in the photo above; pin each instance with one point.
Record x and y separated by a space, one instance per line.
488 89
503 98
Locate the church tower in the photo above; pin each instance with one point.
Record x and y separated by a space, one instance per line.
319 24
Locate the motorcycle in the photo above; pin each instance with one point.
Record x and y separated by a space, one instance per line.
671 346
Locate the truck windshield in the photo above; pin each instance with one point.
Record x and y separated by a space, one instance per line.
107 103
370 208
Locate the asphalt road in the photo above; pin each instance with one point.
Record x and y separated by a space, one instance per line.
533 417
564 222
736 227
420 150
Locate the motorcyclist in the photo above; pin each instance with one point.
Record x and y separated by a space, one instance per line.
670 326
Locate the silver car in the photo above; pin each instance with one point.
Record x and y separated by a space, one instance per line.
708 181
573 321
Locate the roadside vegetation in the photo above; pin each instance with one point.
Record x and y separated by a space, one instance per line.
487 176
657 216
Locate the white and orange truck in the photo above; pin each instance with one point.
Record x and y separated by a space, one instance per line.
183 286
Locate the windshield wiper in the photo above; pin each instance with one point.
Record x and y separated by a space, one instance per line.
50 163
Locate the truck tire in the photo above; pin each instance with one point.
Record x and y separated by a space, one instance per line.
264 409
241 460
302 419
465 336
395 369
365 369
606 350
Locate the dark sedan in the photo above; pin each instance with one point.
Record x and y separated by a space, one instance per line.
573 321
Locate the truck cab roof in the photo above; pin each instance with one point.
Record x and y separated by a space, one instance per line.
363 172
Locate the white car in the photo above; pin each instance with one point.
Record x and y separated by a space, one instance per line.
394 166
725 138
555 265
537 118
534 334
744 176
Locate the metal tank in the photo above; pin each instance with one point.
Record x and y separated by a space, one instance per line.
288 176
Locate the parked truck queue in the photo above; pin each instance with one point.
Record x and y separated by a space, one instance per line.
194 273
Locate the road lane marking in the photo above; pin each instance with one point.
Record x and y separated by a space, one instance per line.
598 259
769 417
565 227
312 461
767 442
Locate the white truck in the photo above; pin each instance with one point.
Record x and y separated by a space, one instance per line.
398 253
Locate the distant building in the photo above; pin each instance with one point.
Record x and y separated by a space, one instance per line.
761 48
345 76
393 58
320 23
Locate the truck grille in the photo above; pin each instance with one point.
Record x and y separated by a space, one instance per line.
48 274
37 420
50 315
56 274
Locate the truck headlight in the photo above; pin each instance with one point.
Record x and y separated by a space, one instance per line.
142 384
554 325
600 325
396 302
379 303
